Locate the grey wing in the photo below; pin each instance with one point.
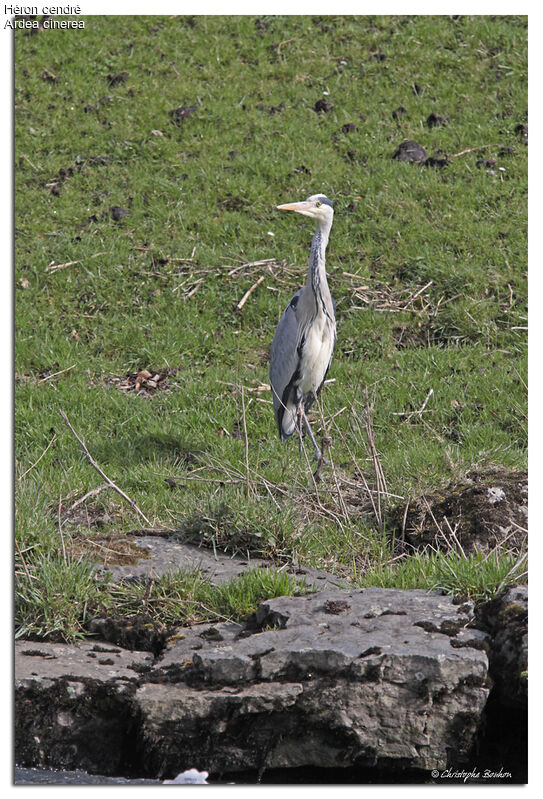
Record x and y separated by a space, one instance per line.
284 359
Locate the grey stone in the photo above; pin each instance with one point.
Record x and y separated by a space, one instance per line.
43 662
506 619
164 555
374 677
368 677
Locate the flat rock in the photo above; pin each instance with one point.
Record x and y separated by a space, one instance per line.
369 678
161 555
43 662
366 678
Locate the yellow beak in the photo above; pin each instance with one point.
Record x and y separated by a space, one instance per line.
301 208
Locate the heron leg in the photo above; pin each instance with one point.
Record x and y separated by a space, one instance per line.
299 416
318 453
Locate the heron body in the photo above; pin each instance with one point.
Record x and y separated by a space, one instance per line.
305 337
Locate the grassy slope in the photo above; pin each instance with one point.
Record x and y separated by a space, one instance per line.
210 186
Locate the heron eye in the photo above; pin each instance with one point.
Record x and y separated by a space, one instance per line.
318 203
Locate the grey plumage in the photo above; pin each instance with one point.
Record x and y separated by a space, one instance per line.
305 337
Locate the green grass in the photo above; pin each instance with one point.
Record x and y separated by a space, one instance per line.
64 594
479 575
206 190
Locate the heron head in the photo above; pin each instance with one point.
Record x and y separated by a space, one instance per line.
318 206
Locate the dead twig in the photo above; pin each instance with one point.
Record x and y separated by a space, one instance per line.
100 471
53 267
285 41
248 293
88 495
56 374
248 264
420 410
473 150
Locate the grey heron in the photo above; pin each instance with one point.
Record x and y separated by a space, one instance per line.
305 337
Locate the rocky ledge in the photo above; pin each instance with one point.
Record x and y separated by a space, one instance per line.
368 678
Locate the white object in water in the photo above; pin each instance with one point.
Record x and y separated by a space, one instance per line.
190 777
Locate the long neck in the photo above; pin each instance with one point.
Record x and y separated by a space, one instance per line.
316 277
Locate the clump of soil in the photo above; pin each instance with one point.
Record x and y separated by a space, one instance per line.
436 119
271 109
414 153
323 106
138 632
115 79
179 114
117 212
485 510
410 151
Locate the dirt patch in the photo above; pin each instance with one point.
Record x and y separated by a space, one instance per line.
111 550
485 510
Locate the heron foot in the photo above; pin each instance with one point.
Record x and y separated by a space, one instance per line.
321 461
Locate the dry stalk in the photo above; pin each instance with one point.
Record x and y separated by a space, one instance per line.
326 443
100 471
440 439
25 567
88 495
384 299
370 492
56 374
512 570
53 267
39 459
60 529
378 469
473 150
449 542
246 440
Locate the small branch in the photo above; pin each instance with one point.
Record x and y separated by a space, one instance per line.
249 264
56 374
102 474
55 267
248 293
473 150
88 495
286 41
